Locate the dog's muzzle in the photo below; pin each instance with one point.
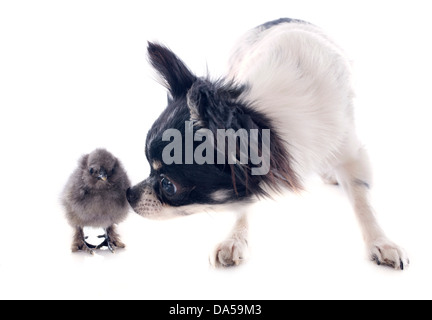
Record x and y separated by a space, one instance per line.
143 199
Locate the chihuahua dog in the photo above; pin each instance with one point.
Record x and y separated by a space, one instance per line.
283 110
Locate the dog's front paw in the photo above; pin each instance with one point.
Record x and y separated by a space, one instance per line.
231 252
384 252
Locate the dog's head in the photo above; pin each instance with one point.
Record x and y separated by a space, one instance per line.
188 147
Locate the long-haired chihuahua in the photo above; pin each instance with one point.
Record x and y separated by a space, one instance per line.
283 110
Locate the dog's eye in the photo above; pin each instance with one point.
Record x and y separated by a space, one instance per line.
168 187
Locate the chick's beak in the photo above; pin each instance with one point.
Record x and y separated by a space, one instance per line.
102 175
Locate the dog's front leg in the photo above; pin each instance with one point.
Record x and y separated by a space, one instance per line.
233 251
355 178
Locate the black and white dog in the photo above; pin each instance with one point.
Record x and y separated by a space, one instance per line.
289 87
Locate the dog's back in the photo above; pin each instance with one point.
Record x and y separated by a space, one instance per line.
300 78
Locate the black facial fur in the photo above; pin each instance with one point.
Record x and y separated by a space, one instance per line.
212 105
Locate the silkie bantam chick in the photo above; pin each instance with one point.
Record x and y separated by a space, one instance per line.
95 196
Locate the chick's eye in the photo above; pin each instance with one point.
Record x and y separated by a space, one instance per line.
168 187
91 170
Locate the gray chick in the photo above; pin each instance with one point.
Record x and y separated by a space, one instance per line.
95 196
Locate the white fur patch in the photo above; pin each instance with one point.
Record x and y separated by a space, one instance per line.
221 195
301 80
156 165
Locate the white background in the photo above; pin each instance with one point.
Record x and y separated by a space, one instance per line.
74 76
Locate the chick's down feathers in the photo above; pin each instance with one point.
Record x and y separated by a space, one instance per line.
95 195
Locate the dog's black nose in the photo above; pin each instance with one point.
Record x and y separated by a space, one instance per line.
131 196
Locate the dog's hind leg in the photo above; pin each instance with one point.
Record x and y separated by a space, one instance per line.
354 175
233 250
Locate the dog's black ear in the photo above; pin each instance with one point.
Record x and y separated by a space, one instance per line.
176 75
211 105
169 98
